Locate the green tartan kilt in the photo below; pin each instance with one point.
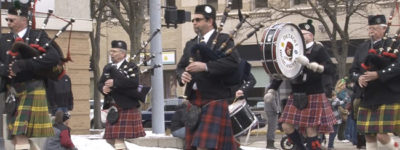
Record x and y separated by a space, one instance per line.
32 116
385 119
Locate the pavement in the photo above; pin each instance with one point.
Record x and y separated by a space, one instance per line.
255 141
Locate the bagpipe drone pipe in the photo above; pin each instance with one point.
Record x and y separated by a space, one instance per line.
132 71
23 50
202 52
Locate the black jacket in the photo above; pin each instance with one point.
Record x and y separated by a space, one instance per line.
384 90
27 68
124 92
210 84
59 93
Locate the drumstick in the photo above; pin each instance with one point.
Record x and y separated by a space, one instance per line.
237 98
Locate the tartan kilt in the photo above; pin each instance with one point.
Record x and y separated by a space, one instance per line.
214 130
385 119
129 125
32 116
318 114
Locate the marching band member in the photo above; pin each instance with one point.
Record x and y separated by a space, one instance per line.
205 87
129 119
378 91
31 117
307 107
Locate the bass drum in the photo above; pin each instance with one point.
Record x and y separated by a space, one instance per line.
282 43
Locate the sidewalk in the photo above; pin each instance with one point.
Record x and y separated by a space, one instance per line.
258 139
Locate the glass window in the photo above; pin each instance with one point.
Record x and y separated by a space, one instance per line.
237 4
297 2
213 3
170 2
261 3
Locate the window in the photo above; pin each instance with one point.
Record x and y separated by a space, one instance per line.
237 4
261 3
297 2
5 4
170 3
213 3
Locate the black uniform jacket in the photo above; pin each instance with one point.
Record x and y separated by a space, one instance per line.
313 80
210 83
59 93
27 67
384 90
124 91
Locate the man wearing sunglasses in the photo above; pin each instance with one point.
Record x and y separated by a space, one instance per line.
205 83
30 118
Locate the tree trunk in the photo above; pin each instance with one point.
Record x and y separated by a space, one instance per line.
95 42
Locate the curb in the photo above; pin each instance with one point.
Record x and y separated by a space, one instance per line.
263 131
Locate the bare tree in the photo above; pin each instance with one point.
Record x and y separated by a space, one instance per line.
327 13
97 13
131 18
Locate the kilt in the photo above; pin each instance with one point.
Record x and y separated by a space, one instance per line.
129 125
214 130
32 116
317 114
385 119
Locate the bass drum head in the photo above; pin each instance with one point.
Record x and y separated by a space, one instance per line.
281 45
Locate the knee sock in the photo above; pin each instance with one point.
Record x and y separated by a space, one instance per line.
297 140
392 145
371 145
313 143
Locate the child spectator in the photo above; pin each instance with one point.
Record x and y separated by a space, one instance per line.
339 100
62 138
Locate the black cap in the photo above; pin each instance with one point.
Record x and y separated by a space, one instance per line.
207 10
118 44
307 26
19 10
376 19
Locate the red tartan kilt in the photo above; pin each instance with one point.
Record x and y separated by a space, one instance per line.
214 130
129 125
318 114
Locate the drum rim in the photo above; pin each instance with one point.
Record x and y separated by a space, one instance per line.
249 127
266 31
279 74
235 111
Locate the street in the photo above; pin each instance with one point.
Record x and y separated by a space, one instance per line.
258 140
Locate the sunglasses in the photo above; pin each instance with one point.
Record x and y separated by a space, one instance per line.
197 19
10 20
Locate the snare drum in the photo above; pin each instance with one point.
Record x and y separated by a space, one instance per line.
242 118
281 44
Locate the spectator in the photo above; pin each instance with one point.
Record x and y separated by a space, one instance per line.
272 108
62 138
59 95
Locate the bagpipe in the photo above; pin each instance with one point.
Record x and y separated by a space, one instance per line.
378 59
132 70
23 50
201 52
